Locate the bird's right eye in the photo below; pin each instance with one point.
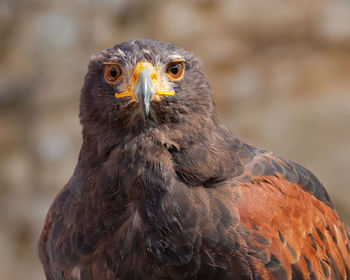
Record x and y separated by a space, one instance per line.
112 72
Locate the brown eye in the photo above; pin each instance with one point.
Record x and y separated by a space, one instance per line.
112 72
175 70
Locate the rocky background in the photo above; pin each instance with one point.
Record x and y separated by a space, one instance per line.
279 70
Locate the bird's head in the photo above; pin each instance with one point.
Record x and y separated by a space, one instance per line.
143 83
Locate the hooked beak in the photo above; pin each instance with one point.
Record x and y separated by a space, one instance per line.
144 90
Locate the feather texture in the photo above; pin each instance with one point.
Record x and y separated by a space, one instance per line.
179 197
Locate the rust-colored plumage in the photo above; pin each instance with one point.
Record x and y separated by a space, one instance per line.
162 190
304 235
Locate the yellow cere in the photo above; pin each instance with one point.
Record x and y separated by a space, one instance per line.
140 66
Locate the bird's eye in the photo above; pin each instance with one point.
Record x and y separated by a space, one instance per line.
112 72
175 70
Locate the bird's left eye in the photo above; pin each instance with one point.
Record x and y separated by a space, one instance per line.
112 72
175 70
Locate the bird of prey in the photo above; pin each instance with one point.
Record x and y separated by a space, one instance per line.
162 190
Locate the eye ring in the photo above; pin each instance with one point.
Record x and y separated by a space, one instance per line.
175 70
112 72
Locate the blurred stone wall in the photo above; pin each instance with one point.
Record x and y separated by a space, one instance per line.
279 70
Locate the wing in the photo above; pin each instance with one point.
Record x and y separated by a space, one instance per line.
290 219
52 223
71 231
77 241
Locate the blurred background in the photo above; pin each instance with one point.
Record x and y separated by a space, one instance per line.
279 70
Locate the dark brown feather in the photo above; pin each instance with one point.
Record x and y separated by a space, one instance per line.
178 197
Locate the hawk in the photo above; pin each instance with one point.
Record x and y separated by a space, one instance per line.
162 190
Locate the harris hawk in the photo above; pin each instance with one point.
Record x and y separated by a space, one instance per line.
162 190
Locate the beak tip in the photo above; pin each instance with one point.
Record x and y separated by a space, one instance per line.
144 90
145 111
